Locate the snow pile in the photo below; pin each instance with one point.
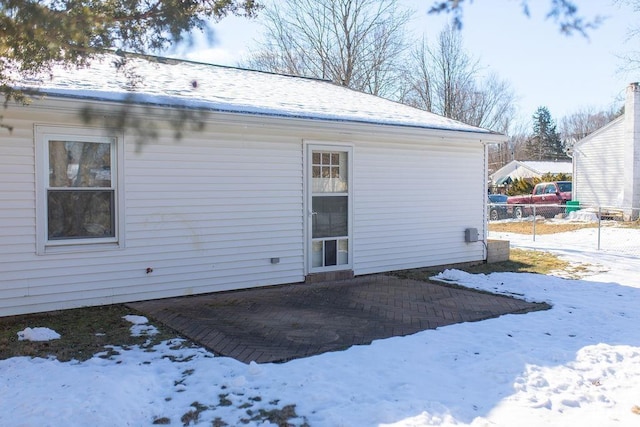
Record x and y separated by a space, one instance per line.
582 215
140 326
38 334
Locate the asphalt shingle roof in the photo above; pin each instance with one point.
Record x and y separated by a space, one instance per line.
196 85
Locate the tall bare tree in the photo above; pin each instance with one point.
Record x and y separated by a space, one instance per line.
631 58
445 79
577 125
354 43
514 149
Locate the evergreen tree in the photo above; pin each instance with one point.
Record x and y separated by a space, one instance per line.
37 34
545 143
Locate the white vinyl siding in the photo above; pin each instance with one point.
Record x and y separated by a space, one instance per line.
599 168
208 212
205 213
17 195
412 205
225 206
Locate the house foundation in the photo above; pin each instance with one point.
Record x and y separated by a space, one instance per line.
497 251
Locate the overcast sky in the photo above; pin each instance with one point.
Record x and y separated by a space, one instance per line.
544 67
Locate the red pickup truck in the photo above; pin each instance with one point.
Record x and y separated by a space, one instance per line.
549 198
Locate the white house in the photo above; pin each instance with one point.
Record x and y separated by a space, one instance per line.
289 178
606 163
519 169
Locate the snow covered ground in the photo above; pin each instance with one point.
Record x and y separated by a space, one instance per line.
576 364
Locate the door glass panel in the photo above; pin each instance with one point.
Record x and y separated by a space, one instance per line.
330 216
343 252
329 172
80 214
316 253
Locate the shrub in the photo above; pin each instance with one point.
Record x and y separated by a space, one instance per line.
525 185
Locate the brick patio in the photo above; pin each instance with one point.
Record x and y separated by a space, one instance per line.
280 323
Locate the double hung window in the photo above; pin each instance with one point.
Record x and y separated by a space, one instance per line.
79 188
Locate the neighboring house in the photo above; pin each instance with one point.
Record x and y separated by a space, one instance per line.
289 180
517 169
606 163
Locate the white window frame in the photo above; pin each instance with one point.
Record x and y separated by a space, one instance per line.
44 134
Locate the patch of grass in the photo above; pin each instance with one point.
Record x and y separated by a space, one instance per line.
218 422
520 261
224 400
542 227
277 416
193 415
84 332
183 344
629 224
523 261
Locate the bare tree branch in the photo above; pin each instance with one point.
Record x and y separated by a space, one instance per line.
354 43
581 123
446 80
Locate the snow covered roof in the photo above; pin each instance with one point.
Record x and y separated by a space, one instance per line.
170 82
518 169
549 167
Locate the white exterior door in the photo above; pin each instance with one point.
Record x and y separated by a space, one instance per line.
329 208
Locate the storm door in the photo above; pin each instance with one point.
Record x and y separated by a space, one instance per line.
329 200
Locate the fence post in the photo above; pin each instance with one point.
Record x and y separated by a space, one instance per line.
599 224
534 223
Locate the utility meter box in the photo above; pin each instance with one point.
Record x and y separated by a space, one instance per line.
471 235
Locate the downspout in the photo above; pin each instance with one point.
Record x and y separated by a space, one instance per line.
485 234
484 202
574 161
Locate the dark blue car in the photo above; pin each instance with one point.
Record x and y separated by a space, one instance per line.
497 206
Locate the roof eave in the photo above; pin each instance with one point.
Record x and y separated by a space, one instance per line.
482 135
